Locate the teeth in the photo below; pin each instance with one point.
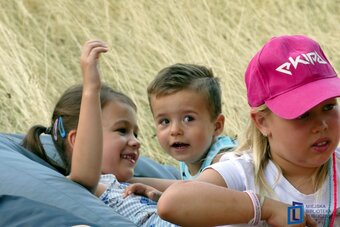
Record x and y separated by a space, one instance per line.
321 144
126 156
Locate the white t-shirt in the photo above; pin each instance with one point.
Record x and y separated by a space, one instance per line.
238 173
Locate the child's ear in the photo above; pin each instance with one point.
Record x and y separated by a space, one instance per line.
219 125
71 138
261 122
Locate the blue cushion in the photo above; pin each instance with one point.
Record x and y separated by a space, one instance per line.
145 167
32 192
32 187
21 211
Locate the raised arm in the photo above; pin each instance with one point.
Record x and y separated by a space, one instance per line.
88 145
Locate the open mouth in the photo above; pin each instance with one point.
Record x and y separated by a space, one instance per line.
178 145
321 146
132 157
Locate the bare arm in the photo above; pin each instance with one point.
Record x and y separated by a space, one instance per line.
153 187
208 175
194 203
149 187
189 203
88 146
212 176
159 184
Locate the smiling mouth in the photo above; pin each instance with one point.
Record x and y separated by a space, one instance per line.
130 157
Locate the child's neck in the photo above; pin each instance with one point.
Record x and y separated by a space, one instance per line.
303 185
301 178
194 167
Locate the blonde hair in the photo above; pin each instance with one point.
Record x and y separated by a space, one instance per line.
253 141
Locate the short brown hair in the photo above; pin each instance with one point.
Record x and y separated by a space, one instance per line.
178 77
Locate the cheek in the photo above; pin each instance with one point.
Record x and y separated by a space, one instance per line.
110 151
161 137
201 138
285 138
335 127
108 158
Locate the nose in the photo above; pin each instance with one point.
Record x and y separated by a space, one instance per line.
176 129
134 142
321 125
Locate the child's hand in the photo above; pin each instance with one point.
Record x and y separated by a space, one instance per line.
89 61
142 189
279 215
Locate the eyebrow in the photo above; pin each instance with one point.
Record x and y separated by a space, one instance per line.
125 122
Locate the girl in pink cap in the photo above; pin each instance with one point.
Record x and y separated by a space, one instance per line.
289 152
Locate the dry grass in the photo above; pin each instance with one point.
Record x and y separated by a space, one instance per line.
40 45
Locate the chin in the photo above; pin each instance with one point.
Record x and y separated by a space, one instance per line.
125 177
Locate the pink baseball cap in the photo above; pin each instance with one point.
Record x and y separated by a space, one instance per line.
291 75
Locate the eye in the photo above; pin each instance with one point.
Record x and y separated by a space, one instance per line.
329 107
303 116
164 121
121 130
188 118
135 134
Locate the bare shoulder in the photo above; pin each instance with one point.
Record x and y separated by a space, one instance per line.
218 157
100 190
220 154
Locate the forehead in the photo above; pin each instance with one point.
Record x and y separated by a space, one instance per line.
118 111
183 100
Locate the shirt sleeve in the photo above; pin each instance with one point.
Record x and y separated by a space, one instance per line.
237 172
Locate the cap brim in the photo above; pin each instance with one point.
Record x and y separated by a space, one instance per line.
296 102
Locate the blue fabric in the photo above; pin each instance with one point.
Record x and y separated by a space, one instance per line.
141 210
145 167
222 143
32 186
27 181
21 211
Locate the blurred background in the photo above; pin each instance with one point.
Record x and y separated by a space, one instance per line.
40 45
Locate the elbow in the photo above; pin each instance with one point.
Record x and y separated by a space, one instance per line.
88 183
163 209
169 202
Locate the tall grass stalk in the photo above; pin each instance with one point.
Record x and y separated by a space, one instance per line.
40 45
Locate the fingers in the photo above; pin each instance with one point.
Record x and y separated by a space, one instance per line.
310 222
154 195
142 189
89 64
134 189
307 221
128 191
92 49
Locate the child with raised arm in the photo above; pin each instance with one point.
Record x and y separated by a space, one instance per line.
95 131
289 152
